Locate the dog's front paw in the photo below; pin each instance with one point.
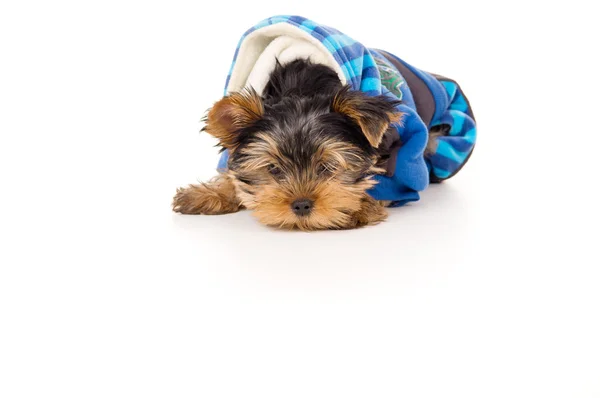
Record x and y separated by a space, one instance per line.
215 197
187 201
370 213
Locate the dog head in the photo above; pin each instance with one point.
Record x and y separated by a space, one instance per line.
302 162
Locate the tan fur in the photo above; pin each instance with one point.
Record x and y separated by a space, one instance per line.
232 113
335 203
215 197
337 154
350 106
261 153
371 212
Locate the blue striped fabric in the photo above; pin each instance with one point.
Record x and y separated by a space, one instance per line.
360 67
453 150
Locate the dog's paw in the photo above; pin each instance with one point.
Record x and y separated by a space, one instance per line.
205 199
186 201
371 213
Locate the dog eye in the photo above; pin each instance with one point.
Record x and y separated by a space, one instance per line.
323 169
274 170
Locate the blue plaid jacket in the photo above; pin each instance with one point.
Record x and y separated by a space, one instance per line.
428 100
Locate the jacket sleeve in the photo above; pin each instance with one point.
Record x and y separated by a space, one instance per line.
452 148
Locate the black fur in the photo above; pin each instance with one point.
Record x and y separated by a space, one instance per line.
300 78
298 115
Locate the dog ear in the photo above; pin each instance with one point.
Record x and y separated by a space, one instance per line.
231 113
372 114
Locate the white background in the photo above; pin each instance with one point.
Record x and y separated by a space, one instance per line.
487 287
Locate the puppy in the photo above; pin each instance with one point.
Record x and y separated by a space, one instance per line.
301 156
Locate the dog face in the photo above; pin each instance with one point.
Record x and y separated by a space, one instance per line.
303 162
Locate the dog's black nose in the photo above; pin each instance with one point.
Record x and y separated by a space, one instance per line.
302 207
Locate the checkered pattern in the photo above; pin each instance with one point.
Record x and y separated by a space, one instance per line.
355 60
362 73
453 150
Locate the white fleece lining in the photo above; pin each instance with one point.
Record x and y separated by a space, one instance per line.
260 49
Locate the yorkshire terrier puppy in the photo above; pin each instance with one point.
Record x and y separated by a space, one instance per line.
302 155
